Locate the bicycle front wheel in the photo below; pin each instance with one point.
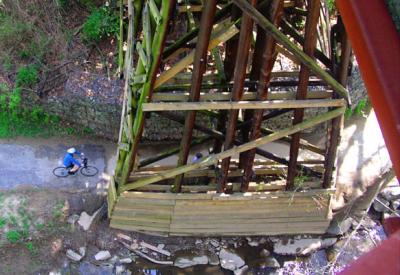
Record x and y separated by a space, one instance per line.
60 172
89 171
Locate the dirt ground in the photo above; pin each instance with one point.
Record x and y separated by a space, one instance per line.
40 216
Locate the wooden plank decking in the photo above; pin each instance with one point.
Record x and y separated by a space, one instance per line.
262 213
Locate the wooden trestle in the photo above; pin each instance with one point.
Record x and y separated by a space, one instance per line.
223 68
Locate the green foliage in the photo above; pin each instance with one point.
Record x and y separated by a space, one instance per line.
62 4
27 76
299 180
32 249
331 6
3 88
13 32
7 63
88 4
361 109
394 9
101 23
57 210
13 236
3 222
22 38
88 131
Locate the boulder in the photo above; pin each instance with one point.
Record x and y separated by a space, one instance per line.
102 255
391 193
301 247
73 255
241 270
213 259
73 218
381 205
270 261
88 202
184 262
339 228
230 260
265 253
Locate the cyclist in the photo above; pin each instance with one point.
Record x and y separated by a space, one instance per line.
70 162
197 157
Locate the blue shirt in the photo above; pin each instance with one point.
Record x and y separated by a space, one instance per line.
69 160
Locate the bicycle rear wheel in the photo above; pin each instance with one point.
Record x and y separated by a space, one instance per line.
89 171
60 172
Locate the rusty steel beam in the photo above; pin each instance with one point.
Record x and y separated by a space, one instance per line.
309 48
254 75
221 136
289 30
229 66
199 67
269 57
376 44
237 91
337 122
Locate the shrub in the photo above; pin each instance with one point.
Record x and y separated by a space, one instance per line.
102 22
13 32
27 76
88 4
7 63
13 236
331 6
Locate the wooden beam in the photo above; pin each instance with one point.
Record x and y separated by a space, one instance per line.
237 91
224 96
191 8
288 29
170 152
251 85
220 136
309 48
193 33
221 34
337 123
224 105
185 77
269 57
210 160
145 91
234 164
303 143
199 68
304 58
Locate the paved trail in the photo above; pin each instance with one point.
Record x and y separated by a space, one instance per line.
26 161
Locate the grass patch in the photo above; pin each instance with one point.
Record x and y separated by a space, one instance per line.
101 23
13 236
27 76
31 248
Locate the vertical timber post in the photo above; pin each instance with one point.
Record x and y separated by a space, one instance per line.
229 66
237 91
337 122
199 67
269 57
309 47
145 91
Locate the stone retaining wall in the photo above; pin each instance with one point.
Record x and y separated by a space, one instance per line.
95 102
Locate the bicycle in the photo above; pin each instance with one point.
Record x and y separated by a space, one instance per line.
86 170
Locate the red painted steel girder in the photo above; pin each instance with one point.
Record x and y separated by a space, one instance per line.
376 44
